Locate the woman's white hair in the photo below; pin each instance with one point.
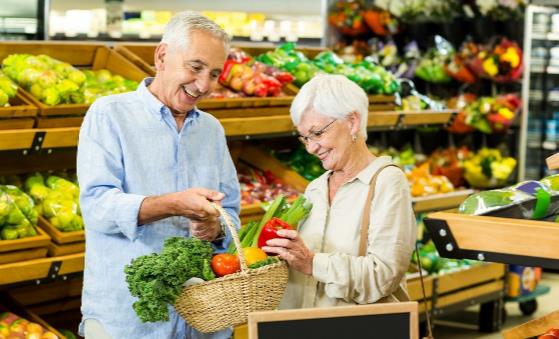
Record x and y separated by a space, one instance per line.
332 95
178 29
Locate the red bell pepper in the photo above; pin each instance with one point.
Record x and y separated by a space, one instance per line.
270 230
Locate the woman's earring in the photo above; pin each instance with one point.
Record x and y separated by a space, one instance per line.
353 137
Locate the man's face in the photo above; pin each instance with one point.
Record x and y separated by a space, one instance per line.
188 74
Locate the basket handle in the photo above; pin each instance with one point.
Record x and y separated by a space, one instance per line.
234 235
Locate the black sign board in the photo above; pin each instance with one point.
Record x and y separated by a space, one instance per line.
379 321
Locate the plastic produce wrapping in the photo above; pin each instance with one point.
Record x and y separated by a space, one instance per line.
14 221
525 200
8 89
552 183
431 67
57 200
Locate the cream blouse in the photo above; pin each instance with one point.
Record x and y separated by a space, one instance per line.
339 275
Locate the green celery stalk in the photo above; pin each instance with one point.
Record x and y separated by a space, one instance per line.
242 234
300 199
276 205
298 214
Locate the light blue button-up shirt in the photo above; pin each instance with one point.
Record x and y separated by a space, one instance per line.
129 148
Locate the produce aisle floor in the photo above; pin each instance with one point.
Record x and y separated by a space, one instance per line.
546 304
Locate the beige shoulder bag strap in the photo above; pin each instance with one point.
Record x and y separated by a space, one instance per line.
364 237
367 212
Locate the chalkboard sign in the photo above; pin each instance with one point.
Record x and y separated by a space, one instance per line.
379 321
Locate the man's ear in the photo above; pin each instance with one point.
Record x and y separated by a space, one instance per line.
159 56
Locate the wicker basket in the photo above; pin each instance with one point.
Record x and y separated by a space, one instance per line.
227 301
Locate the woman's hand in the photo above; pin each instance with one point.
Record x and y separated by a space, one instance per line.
292 249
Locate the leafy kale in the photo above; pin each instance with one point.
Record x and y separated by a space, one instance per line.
157 279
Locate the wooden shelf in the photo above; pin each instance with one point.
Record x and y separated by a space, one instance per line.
443 201
16 139
38 269
397 119
512 241
22 139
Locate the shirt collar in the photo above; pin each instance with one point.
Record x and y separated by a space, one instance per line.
364 176
367 173
154 105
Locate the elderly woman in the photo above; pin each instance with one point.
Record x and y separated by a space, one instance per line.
333 259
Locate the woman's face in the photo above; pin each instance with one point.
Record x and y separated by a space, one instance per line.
327 138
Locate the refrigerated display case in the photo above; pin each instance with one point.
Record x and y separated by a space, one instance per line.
539 136
268 22
23 19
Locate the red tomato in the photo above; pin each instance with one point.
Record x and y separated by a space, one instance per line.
224 263
553 331
547 336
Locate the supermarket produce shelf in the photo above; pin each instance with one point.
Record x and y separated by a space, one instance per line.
41 269
47 138
403 119
443 201
34 140
513 241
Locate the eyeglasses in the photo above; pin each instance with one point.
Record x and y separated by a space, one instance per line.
316 135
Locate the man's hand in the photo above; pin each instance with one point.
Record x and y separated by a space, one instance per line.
205 230
194 203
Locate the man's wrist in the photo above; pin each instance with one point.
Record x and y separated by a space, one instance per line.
220 230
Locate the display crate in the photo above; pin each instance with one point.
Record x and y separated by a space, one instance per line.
262 160
25 248
57 302
416 294
42 268
58 122
486 274
142 55
92 56
19 107
512 241
481 284
20 114
63 242
8 304
16 123
534 327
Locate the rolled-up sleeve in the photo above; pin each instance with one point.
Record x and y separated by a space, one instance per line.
105 207
392 235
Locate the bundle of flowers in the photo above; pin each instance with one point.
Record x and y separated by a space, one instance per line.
500 63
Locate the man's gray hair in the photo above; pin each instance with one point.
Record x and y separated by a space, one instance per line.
332 95
178 29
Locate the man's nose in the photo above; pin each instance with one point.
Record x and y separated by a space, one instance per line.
203 84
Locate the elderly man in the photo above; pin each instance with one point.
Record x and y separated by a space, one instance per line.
149 164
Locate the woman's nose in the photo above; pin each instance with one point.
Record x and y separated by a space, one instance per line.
312 146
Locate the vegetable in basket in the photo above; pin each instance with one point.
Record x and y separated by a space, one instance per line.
279 209
157 279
